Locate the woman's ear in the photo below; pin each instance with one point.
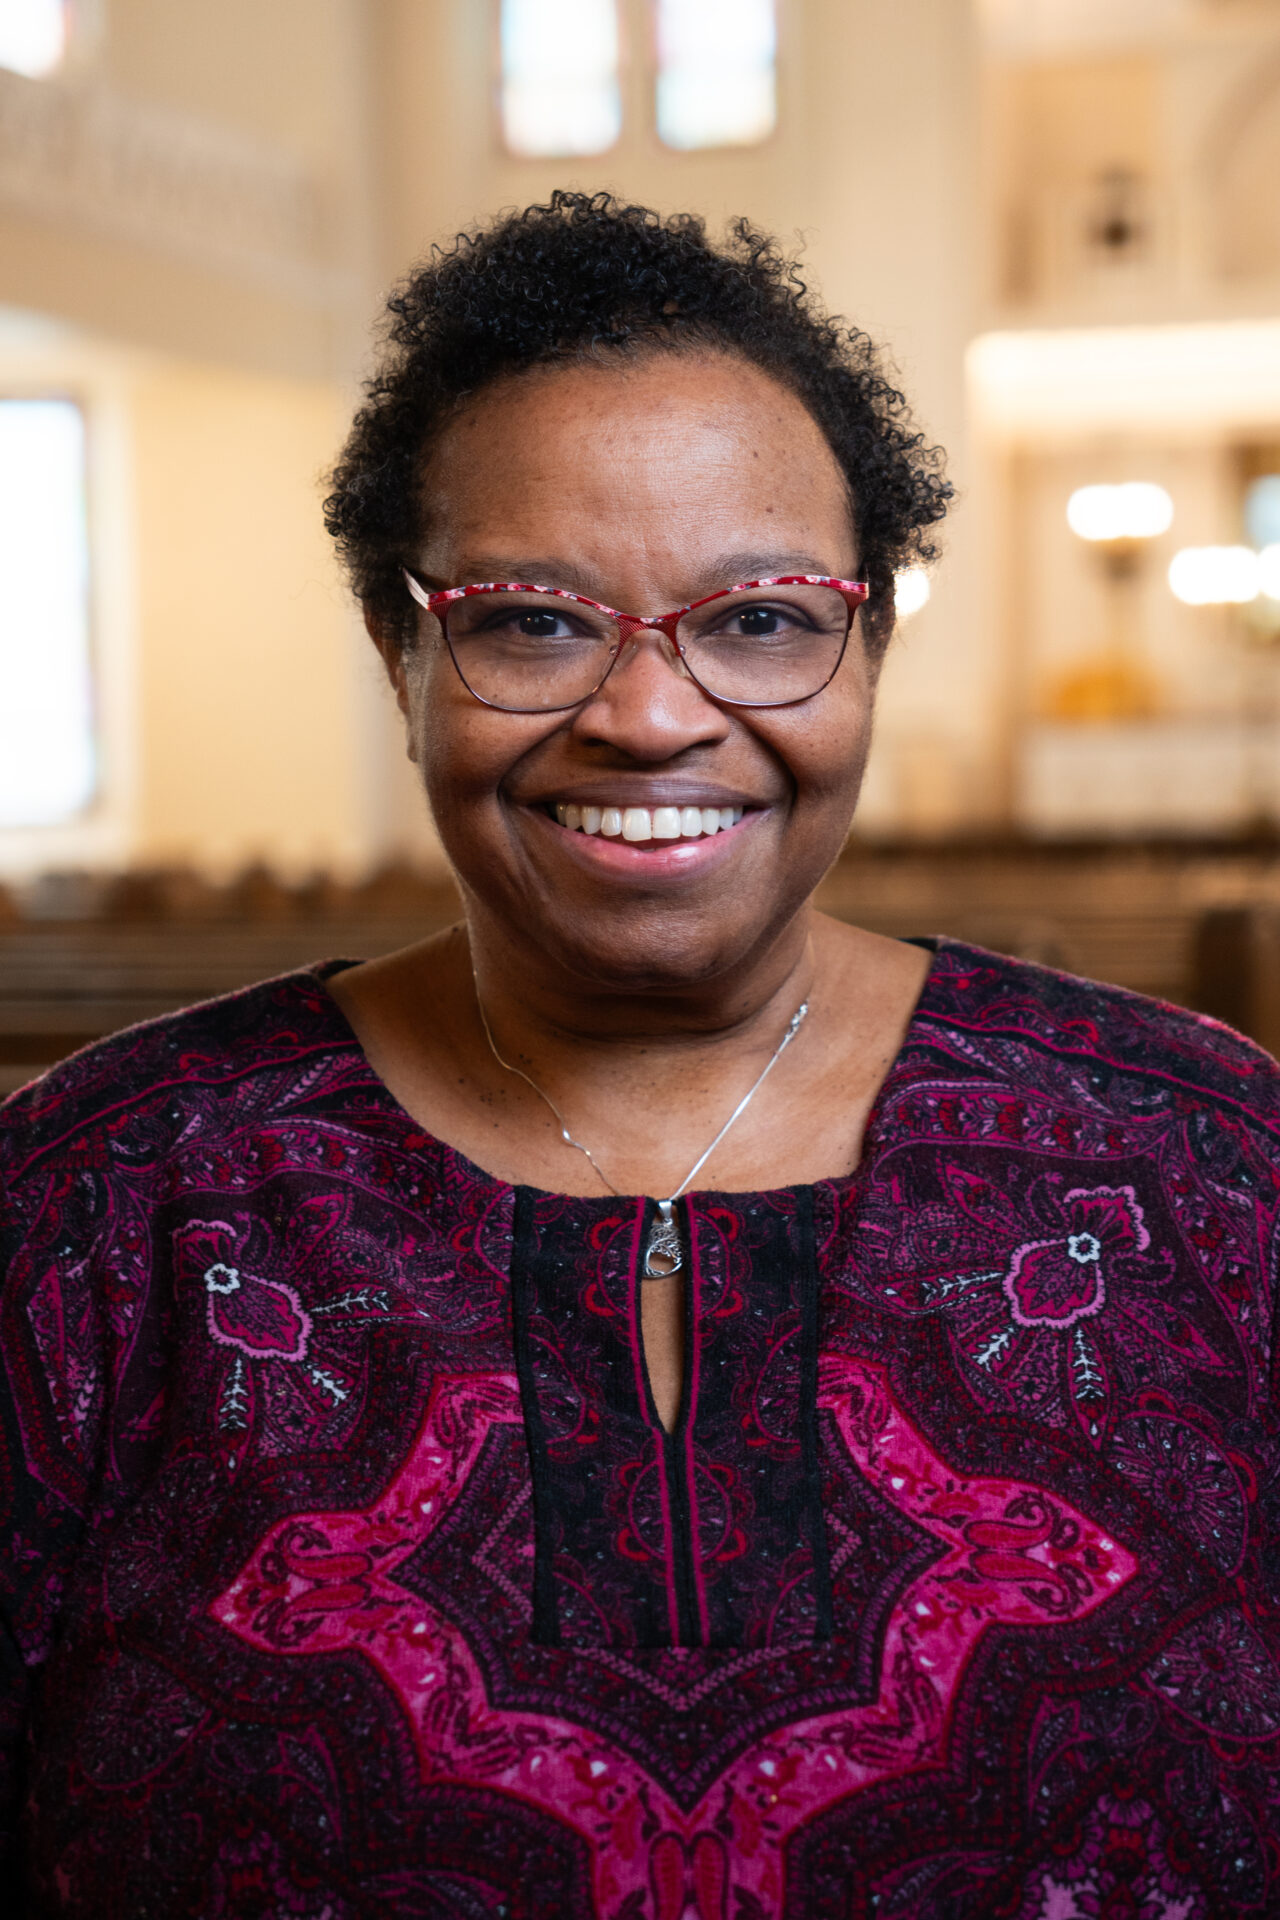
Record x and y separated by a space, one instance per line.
392 652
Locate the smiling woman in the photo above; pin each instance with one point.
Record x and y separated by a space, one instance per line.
651 1403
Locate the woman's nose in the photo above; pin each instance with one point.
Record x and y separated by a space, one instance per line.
649 704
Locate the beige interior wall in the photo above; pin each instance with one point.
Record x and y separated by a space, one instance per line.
1079 116
247 746
108 173
191 201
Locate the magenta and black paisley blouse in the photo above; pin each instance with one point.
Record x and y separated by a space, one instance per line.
348 1570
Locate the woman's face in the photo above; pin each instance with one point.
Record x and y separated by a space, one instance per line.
643 487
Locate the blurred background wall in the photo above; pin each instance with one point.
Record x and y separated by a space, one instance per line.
1062 215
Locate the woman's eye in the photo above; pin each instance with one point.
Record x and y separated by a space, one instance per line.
759 620
762 622
526 623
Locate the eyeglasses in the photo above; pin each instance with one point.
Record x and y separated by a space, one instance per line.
765 643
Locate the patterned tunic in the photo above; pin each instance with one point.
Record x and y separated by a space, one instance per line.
348 1570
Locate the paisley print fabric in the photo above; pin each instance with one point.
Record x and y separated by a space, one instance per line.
347 1570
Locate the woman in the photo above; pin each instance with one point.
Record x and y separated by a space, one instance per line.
651 1403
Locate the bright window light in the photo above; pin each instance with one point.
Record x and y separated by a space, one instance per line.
1269 571
1137 510
1262 510
1214 576
560 91
717 82
33 36
910 591
47 767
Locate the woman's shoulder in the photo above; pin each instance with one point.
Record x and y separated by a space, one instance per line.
148 1077
992 1000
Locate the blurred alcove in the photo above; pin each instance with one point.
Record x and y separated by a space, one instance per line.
1063 216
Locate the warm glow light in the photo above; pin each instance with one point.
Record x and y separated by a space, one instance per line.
1269 571
1137 510
560 91
46 714
1214 576
33 36
716 84
910 591
1220 375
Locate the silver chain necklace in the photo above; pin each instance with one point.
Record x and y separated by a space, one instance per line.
662 1255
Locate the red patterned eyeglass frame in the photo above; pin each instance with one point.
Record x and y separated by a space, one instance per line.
853 592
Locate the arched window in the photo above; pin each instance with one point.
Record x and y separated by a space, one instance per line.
560 87
47 747
717 82
33 36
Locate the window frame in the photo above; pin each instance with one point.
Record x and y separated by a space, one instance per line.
638 92
497 69
96 381
717 149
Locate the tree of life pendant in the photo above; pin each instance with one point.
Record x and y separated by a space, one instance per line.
662 1256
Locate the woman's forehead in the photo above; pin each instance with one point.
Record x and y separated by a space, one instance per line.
693 450
646 393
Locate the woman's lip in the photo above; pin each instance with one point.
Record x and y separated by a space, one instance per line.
647 858
650 799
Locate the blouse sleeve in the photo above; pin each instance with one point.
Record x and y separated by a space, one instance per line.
53 1395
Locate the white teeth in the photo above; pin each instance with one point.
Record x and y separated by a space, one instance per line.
644 823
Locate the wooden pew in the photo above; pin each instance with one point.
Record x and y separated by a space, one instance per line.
1194 924
1237 970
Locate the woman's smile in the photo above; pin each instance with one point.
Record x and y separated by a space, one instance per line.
683 821
648 844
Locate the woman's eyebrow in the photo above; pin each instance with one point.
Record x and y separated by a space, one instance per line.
503 569
733 567
547 570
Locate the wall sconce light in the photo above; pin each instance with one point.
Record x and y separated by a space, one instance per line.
1117 523
1233 577
1119 519
1215 576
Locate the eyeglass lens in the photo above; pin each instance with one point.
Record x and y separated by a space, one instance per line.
533 652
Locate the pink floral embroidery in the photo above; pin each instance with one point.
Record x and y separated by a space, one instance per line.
1054 1283
261 1324
265 1319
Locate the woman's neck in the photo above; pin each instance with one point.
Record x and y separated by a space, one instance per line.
555 1011
645 1094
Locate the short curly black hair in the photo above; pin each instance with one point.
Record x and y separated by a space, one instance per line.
587 275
